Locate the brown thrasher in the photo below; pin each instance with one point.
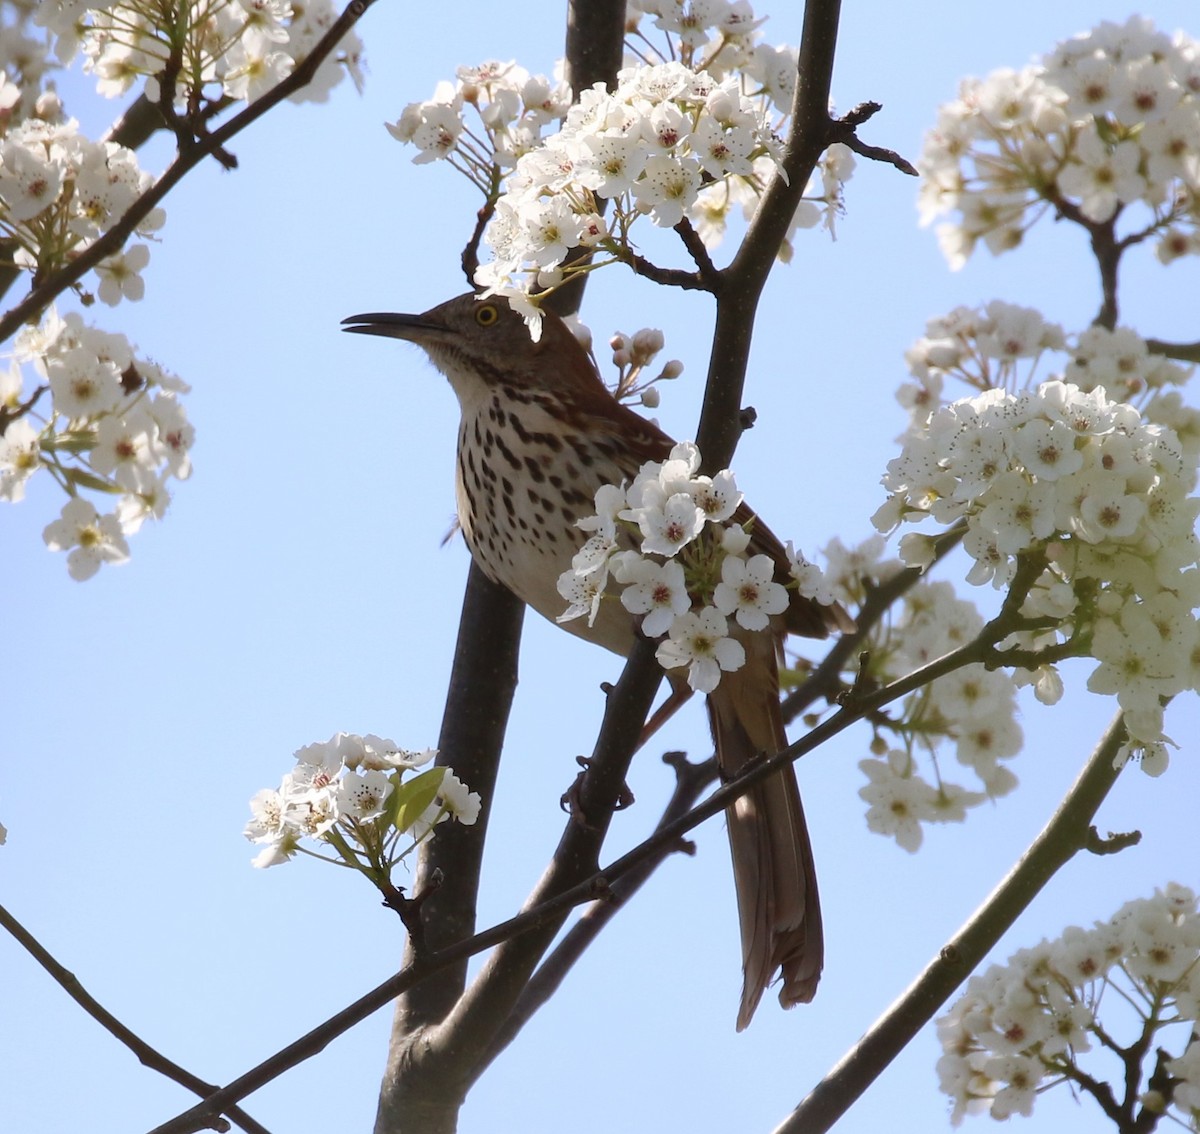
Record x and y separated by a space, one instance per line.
539 434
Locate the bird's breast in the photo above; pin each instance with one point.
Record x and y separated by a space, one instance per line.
524 477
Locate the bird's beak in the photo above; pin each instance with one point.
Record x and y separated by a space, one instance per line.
414 328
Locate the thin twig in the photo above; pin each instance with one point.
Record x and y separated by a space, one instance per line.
825 680
146 1055
1182 352
705 268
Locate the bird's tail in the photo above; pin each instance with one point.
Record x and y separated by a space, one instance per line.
773 872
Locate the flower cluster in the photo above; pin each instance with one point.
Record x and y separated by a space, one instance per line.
350 794
973 709
115 426
631 355
1000 345
510 109
1107 120
995 346
691 138
694 572
1092 502
1022 1027
209 48
60 192
648 148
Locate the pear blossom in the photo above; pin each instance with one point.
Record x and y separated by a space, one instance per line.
658 591
747 591
700 641
1026 1026
89 539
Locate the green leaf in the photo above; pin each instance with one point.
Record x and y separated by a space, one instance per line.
81 479
410 799
72 441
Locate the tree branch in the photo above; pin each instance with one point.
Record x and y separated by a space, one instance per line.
482 682
546 910
146 1055
1061 839
744 278
470 1029
690 782
429 1069
41 296
825 680
1182 352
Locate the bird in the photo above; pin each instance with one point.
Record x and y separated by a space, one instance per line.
539 434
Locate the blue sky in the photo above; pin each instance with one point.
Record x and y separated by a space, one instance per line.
297 587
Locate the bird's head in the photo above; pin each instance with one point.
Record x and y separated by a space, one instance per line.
474 340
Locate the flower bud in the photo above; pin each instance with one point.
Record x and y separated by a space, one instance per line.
720 105
580 331
647 343
48 106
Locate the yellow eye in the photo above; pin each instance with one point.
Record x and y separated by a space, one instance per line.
486 314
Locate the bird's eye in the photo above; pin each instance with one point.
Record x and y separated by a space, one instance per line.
486 314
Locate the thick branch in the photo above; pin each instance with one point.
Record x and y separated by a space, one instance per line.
482 683
429 1065
1064 836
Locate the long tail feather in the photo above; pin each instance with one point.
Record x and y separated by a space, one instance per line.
778 905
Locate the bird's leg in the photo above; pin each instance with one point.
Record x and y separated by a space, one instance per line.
680 693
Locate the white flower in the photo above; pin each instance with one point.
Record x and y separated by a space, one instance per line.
30 178
811 581
385 755
717 497
552 230
610 165
126 449
362 795
701 642
657 591
668 188
898 799
735 539
459 801
583 592
91 539
20 458
119 275
1047 449
1107 511
747 591
1102 177
270 829
668 526
82 384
